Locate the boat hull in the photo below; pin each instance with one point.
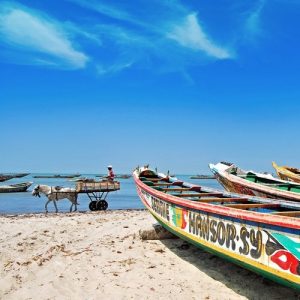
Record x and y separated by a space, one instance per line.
5 177
21 175
267 249
15 188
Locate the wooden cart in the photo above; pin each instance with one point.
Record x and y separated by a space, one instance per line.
97 192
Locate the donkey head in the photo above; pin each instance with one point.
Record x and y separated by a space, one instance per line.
36 191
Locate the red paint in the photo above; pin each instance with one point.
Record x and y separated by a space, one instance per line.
286 261
184 215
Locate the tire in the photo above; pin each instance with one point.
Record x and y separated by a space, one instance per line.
93 206
102 205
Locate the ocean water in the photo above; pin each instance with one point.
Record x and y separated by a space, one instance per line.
125 198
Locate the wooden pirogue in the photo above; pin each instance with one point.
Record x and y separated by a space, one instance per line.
5 177
287 173
252 183
259 234
58 176
15 188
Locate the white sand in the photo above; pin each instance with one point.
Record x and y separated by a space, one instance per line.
100 256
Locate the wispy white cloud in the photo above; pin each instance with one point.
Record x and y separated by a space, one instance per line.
191 35
148 38
114 68
253 20
74 31
105 9
161 34
45 39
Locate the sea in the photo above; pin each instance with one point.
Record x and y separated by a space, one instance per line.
125 198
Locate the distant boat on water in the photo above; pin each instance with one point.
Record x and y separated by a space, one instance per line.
57 176
5 177
203 177
20 175
15 188
122 176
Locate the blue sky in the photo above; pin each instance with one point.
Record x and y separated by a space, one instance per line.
86 83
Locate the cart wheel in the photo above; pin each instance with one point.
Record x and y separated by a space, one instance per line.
102 205
93 205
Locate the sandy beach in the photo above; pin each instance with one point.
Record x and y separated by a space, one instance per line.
101 255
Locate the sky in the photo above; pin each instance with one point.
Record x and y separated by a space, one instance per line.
176 84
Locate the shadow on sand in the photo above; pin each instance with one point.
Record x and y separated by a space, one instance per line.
241 281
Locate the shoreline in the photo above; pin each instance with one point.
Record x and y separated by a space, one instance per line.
60 213
93 255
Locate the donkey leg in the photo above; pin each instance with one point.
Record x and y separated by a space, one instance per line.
71 207
74 201
56 210
46 205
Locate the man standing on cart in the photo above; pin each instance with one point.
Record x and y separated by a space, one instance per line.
111 174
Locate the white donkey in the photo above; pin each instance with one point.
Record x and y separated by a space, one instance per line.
55 193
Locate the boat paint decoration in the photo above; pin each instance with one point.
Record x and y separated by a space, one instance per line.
179 217
268 250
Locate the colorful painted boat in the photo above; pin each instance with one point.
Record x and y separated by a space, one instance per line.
262 235
252 183
287 173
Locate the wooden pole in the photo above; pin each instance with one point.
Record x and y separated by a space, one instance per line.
209 200
287 213
198 195
255 205
176 189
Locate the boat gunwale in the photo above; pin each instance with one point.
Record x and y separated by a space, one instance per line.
265 218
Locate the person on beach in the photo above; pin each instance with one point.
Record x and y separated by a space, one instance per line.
111 174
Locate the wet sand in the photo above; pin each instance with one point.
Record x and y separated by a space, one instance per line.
97 255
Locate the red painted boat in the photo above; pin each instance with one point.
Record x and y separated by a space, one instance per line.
260 234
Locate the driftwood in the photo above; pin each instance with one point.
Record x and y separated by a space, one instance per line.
157 232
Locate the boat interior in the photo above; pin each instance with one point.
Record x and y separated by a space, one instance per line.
293 170
200 194
265 180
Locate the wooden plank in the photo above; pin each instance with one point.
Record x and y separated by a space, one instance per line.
255 205
278 184
209 200
162 184
155 179
198 195
176 189
295 213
